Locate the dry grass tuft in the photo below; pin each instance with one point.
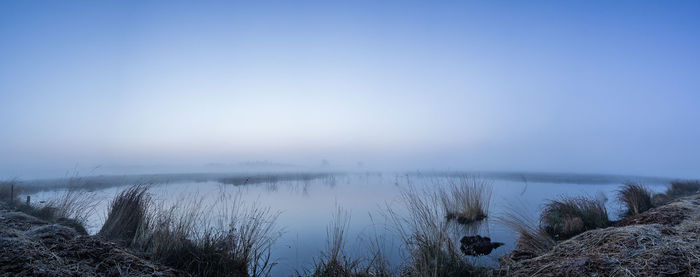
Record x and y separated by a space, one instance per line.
635 198
74 204
532 240
127 215
189 237
432 248
637 250
252 229
683 188
71 208
648 244
466 199
334 261
570 216
667 215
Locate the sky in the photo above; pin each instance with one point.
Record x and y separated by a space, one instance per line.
547 86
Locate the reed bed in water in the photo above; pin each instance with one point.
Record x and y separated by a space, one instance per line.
334 261
466 199
419 220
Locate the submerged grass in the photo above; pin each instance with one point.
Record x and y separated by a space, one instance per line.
635 198
570 216
466 199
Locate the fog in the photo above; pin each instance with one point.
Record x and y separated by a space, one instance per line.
581 87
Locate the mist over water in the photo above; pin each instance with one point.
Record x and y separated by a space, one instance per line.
589 87
304 110
306 208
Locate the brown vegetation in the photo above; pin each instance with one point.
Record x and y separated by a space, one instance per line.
570 216
33 247
532 240
654 246
127 215
683 188
635 198
183 237
334 261
426 235
465 199
71 207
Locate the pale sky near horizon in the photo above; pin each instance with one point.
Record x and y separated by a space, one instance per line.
553 86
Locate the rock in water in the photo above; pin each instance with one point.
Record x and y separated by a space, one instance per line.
478 245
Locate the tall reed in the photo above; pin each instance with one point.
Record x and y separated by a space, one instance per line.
419 221
334 261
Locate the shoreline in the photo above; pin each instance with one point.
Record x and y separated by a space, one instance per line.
662 241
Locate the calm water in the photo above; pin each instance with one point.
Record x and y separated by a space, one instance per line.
306 208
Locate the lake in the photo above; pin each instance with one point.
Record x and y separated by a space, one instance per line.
306 207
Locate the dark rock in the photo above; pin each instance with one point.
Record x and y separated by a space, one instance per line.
478 245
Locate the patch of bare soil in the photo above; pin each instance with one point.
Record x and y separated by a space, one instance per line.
662 242
33 247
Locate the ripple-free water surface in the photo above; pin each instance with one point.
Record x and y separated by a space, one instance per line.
306 208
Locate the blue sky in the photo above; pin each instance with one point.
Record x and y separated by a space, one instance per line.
573 86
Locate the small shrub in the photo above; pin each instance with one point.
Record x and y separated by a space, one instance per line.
127 215
635 198
565 218
683 188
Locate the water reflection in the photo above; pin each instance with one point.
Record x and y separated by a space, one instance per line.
306 205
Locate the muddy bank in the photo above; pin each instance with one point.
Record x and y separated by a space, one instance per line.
664 241
33 247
